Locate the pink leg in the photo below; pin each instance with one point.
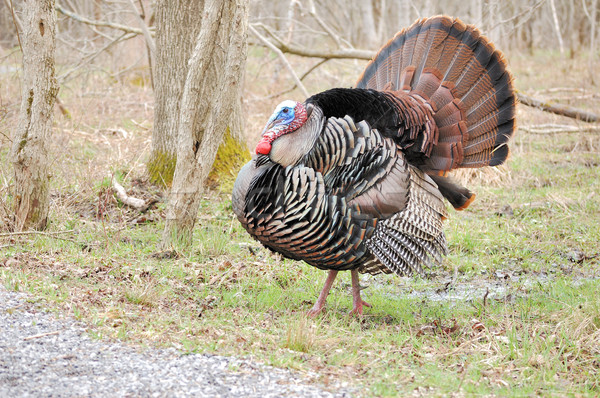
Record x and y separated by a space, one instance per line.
357 302
320 304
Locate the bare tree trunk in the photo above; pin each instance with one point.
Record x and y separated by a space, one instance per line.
210 92
476 12
178 23
593 17
29 154
362 16
561 45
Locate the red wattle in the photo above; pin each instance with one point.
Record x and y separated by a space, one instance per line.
263 148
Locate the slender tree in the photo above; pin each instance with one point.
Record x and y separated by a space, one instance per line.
210 93
39 89
178 23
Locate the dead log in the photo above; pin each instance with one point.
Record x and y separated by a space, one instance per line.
558 109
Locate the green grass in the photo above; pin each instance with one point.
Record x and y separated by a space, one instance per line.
514 310
533 333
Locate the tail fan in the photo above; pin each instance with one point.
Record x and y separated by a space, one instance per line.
464 79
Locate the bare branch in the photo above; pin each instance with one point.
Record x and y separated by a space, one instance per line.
82 19
276 50
349 53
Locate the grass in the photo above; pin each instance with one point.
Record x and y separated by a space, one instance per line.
513 310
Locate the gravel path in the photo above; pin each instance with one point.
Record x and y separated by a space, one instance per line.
41 356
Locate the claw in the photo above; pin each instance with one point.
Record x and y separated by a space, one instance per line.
358 308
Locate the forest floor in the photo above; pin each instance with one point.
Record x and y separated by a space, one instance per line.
513 310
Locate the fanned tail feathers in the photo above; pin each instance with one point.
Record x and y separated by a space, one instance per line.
465 80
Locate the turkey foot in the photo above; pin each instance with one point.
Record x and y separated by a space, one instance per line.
357 308
320 304
357 301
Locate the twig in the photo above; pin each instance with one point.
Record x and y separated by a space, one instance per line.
37 336
282 57
138 204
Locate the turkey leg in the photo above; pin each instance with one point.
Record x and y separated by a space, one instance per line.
320 304
357 301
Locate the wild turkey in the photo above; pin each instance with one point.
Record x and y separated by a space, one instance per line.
353 178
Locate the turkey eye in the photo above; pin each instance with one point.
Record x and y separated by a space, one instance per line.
286 110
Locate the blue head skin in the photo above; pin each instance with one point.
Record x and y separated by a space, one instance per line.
281 117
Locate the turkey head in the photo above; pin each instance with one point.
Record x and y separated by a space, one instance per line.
290 132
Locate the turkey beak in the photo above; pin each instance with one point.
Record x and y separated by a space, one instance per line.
269 126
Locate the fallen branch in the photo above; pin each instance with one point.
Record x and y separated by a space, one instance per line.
558 128
138 204
562 110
